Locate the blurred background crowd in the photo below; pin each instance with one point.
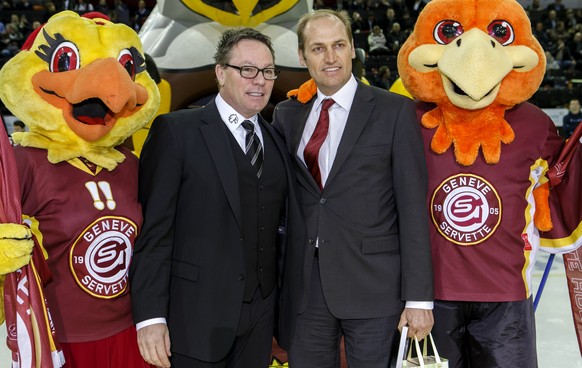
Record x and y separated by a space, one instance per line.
19 18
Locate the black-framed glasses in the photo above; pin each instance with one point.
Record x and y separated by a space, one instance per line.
251 72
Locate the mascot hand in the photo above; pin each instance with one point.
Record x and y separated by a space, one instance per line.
15 247
542 218
15 251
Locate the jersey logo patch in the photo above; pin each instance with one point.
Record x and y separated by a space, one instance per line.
466 209
100 257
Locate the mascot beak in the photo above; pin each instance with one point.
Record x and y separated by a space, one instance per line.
92 98
474 64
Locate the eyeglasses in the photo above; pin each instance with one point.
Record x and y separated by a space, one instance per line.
250 72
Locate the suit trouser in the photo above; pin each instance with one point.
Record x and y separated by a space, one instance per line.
316 344
253 343
486 334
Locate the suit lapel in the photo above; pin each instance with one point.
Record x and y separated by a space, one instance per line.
297 129
216 138
266 128
358 117
296 133
278 142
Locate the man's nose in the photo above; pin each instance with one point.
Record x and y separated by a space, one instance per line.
330 55
259 79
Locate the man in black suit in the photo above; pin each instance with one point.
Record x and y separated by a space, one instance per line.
363 196
214 183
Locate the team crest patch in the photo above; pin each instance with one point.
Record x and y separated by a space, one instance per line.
466 209
100 257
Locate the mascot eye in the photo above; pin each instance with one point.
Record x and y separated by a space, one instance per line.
446 31
501 31
65 58
126 61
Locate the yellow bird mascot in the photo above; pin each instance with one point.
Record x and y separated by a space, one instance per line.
81 87
473 64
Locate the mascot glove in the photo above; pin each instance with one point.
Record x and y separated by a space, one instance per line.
15 247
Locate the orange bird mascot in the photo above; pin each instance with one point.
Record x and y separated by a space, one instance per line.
472 65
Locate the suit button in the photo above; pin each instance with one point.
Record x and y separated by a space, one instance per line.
262 228
241 277
310 241
260 269
262 208
322 201
261 249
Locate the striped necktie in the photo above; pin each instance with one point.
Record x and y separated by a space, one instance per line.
253 147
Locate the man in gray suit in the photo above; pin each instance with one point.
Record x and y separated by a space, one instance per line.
359 160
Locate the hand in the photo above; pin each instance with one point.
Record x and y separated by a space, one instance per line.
154 344
419 321
15 247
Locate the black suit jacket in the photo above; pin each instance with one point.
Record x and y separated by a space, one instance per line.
188 263
371 218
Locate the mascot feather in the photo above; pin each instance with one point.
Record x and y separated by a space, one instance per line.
81 87
472 65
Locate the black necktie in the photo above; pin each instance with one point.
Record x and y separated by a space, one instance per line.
253 148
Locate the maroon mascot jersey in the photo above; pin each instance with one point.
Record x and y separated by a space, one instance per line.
483 238
86 219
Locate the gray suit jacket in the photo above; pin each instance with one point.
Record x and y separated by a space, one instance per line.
371 218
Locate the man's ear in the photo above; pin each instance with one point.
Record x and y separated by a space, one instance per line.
301 57
219 71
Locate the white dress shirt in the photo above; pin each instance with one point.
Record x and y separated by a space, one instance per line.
338 116
233 121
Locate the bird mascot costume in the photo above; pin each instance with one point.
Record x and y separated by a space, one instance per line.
472 65
81 87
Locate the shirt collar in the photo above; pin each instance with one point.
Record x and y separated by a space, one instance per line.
344 97
229 115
